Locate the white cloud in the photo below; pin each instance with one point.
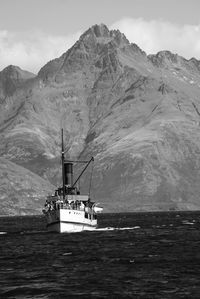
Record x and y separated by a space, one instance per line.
31 50
157 35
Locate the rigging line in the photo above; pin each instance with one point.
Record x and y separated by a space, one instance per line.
90 184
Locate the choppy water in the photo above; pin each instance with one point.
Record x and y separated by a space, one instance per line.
135 255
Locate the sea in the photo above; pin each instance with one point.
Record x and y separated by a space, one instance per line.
130 255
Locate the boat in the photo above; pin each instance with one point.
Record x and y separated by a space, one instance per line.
67 210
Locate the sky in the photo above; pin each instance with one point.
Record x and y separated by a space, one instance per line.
32 32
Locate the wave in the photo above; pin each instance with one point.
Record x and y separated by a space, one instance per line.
95 229
188 222
117 228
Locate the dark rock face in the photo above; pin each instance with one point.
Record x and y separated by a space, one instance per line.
138 115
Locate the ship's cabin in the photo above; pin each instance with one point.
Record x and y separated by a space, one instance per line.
73 201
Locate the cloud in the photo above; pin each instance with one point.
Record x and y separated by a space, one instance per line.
31 50
157 35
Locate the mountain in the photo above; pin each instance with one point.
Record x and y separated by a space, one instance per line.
11 78
137 114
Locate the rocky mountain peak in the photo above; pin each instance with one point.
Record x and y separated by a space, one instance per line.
102 34
93 47
10 70
119 37
100 30
195 63
167 59
96 32
167 55
12 77
78 55
162 58
16 73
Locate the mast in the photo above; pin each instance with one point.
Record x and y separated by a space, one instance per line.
63 161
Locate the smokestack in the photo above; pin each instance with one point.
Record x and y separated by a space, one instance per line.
68 172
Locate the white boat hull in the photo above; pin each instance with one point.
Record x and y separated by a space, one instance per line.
67 220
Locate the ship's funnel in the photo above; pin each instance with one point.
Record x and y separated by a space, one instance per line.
68 172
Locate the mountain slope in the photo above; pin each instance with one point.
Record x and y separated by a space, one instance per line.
21 191
138 115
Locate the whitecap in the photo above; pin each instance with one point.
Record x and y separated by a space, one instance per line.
67 253
3 233
134 227
132 261
187 222
117 228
